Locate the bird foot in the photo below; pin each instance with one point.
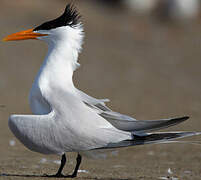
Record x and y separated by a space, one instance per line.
55 175
60 176
72 176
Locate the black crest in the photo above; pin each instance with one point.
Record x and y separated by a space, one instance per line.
70 17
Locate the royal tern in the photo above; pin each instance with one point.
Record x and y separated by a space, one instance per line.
66 119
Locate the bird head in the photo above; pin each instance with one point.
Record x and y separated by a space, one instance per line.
62 28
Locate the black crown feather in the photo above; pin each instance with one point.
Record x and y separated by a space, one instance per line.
70 17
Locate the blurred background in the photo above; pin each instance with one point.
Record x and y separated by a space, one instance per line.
144 55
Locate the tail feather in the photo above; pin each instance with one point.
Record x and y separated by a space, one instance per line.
161 137
152 138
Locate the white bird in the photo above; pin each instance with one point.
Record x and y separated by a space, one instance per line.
141 6
184 9
66 119
179 10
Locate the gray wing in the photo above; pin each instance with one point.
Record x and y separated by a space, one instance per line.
124 122
36 132
127 123
93 102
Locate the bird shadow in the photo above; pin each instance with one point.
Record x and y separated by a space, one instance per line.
45 176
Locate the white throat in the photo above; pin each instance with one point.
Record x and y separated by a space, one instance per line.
64 45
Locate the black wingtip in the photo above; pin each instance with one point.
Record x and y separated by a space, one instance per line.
184 118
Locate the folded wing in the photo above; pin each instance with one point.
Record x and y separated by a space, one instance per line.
93 102
36 132
127 123
124 122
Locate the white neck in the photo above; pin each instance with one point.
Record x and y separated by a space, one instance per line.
61 60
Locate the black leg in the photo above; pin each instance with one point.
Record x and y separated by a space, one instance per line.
59 174
79 160
63 162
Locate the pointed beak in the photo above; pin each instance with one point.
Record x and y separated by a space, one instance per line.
23 35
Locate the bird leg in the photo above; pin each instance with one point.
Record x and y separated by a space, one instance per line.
59 174
79 160
63 162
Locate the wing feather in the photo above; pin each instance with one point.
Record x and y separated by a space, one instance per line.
124 122
36 132
93 102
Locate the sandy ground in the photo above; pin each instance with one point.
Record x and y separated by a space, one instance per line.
149 70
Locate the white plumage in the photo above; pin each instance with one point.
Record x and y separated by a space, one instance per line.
66 119
63 122
184 9
141 6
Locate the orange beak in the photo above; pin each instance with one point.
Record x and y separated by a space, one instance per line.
23 35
